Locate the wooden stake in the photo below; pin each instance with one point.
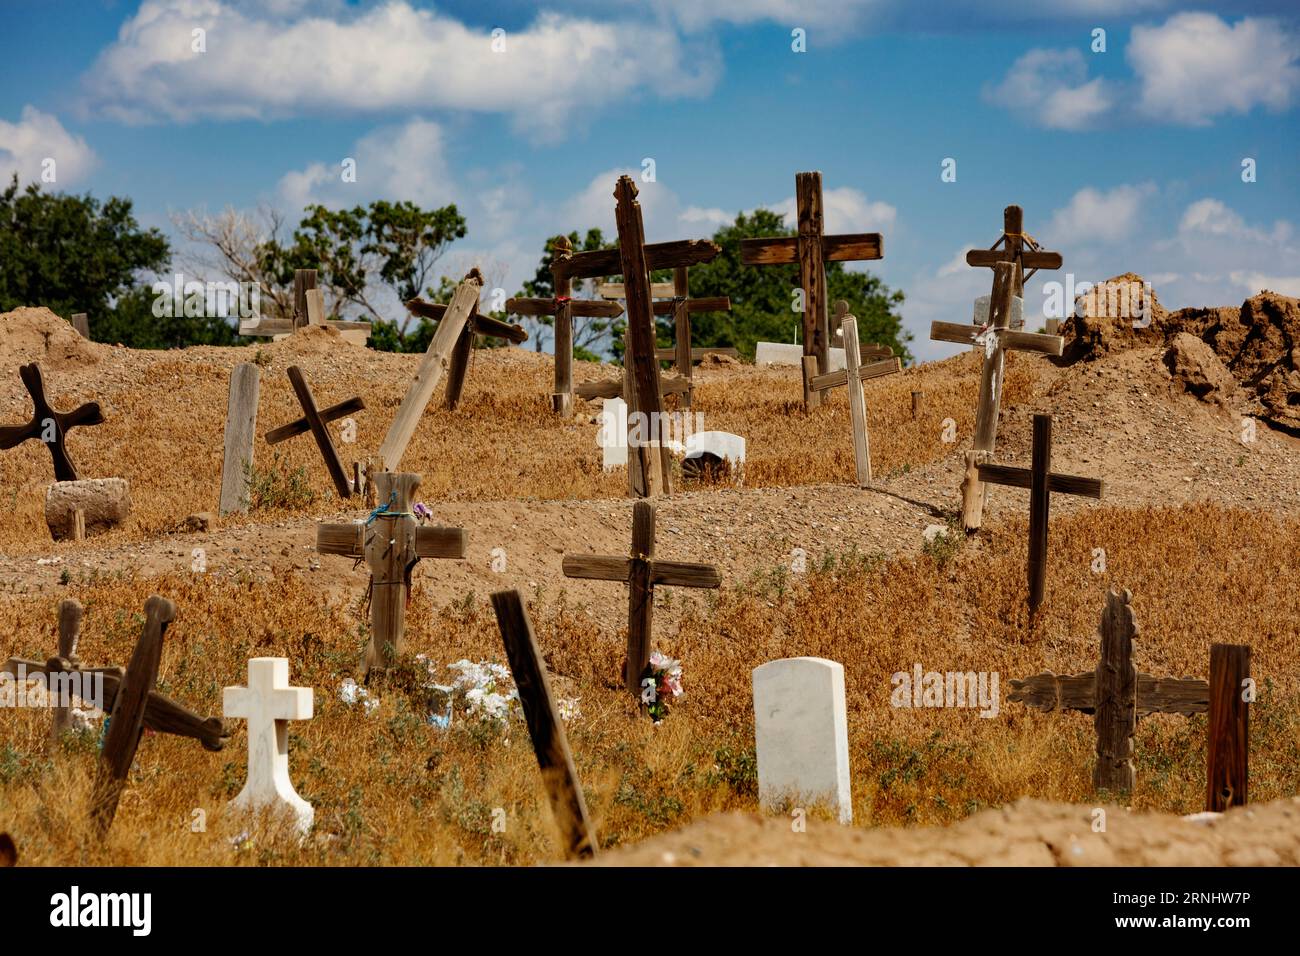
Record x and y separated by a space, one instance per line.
917 398
682 330
241 430
303 279
1228 728
78 524
69 636
81 322
1115 717
550 743
857 402
562 399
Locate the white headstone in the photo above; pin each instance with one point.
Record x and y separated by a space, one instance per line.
984 303
783 353
801 734
722 444
613 433
268 703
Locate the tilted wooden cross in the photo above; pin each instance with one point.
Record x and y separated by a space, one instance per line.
852 376
996 339
681 307
476 324
1117 695
641 572
867 351
1041 483
314 421
812 250
161 715
391 542
47 425
564 308
1017 247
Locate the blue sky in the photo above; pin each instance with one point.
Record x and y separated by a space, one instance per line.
1124 160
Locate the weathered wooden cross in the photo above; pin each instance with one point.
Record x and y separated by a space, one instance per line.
391 542
812 250
1041 482
314 420
308 309
867 351
996 338
1017 247
47 425
1117 695
63 671
681 307
550 743
476 324
641 572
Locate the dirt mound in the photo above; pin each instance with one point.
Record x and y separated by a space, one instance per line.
1027 833
1196 369
309 340
38 335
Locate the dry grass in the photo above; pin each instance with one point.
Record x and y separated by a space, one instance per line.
390 789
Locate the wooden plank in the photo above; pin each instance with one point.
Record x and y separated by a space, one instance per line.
1227 732
127 718
1115 709
1031 259
918 399
640 597
241 432
303 279
682 330
346 539
459 367
812 268
697 354
70 616
390 548
613 388
615 290
432 367
482 324
865 373
81 322
812 397
684 574
545 728
991 377
562 397
1058 484
433 541
1039 507
1155 695
1033 342
318 430
581 308
300 425
657 255
265 327
972 488
955 332
595 567
315 307
716 303
857 403
783 250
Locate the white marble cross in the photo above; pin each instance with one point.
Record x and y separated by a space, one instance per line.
268 703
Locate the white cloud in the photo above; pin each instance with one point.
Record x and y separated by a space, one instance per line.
26 145
1051 89
845 209
1093 215
1213 218
1196 66
1254 282
384 58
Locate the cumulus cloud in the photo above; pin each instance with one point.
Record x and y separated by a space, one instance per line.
846 210
383 58
1094 215
1196 66
1050 88
27 145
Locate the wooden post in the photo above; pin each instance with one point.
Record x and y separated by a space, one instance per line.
857 402
1228 729
47 425
432 367
562 397
127 719
303 280
682 330
917 398
550 743
318 430
69 636
78 524
241 429
81 322
1115 719
812 398
459 368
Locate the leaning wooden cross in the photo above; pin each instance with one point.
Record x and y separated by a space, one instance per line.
1118 695
812 250
550 743
47 425
1041 482
484 325
391 542
996 338
641 572
314 421
853 375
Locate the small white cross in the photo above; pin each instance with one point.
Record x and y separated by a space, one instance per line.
268 703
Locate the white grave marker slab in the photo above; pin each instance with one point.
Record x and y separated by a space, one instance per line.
268 703
613 433
801 734
783 353
983 304
723 445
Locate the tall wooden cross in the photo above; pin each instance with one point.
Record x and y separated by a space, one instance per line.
811 249
476 324
314 420
391 542
641 572
996 339
853 375
1041 482
1118 695
1017 247
161 714
47 425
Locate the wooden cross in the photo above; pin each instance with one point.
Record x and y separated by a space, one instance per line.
812 250
391 542
464 303
550 743
852 376
476 324
1041 483
996 339
867 351
641 572
1017 247
1117 695
49 426
161 715
681 307
308 309
314 420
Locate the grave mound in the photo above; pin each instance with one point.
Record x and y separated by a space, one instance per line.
35 334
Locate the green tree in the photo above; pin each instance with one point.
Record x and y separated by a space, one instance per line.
588 334
137 321
77 254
